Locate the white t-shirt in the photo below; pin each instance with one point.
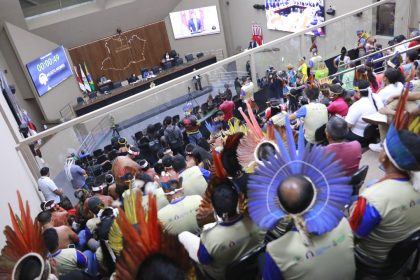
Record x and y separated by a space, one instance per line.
363 107
386 92
47 187
346 59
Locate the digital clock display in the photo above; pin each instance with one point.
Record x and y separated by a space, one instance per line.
49 70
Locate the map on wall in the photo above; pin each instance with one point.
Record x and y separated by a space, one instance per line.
295 15
123 51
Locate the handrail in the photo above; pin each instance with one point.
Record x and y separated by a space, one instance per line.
373 61
381 50
188 76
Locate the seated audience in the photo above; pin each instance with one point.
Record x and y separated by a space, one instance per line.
232 237
387 212
194 178
314 114
349 153
66 236
180 214
365 106
339 105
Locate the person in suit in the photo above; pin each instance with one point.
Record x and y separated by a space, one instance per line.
194 23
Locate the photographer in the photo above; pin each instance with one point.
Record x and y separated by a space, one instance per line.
275 84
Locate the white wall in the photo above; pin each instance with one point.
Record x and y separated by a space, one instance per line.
13 172
200 43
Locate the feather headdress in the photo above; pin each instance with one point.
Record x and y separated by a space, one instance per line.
145 240
401 153
332 191
248 148
22 237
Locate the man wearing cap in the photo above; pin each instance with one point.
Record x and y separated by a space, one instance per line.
180 214
388 212
231 238
47 186
227 106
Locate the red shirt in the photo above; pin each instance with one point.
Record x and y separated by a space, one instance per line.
349 153
338 107
227 107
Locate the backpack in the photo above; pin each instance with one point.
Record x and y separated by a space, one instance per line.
173 138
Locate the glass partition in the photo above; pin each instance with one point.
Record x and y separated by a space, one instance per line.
32 8
143 113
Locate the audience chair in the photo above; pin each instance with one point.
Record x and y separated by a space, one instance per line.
95 170
167 65
116 85
178 61
106 166
138 135
155 70
112 155
80 100
320 136
97 153
92 95
90 180
189 57
248 267
101 159
403 259
200 54
358 179
108 148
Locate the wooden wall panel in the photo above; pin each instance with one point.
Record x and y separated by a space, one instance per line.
118 56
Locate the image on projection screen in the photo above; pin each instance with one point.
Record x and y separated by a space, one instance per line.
295 15
195 22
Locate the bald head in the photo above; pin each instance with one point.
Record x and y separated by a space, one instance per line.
295 194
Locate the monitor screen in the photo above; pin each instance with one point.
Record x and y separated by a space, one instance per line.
295 15
49 70
195 22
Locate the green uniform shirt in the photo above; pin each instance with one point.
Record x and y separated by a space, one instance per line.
193 181
227 243
399 207
180 215
330 257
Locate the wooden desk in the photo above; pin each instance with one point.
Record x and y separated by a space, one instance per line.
132 89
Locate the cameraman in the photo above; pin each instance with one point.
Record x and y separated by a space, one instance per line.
275 84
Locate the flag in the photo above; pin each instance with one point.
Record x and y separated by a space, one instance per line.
257 35
81 85
85 81
89 78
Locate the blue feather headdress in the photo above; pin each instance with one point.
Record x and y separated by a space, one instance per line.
333 191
